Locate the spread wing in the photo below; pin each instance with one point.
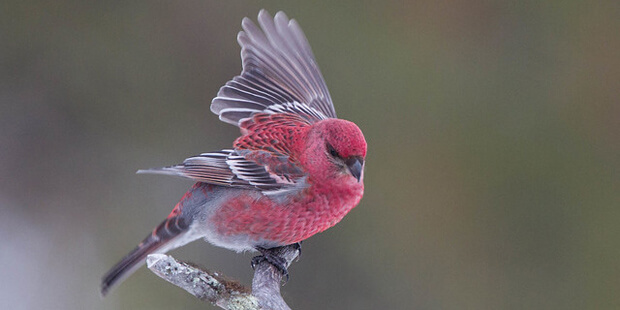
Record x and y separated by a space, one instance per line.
262 158
280 74
279 93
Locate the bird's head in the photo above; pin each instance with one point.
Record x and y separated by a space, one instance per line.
335 148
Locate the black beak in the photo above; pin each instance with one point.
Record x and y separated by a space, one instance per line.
356 166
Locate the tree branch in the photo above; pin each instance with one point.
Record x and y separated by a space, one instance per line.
224 293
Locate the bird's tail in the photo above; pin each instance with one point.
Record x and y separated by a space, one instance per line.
167 236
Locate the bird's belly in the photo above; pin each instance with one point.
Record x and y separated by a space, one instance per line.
247 221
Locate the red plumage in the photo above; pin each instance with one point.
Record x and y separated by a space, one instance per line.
295 171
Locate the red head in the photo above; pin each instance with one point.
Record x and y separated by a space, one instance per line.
335 148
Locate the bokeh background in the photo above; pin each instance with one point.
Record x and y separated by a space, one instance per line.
493 170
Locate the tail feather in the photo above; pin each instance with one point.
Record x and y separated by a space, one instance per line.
159 241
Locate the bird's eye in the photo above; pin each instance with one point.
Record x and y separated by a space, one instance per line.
332 151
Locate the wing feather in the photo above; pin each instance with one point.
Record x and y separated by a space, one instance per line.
225 168
279 69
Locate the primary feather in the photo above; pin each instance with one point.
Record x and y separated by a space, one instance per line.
279 75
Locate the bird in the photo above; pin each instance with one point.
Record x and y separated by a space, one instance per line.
295 170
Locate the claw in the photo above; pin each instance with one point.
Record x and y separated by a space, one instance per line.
298 247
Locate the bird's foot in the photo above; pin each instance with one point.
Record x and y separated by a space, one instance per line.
271 256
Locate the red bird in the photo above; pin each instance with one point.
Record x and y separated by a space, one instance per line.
296 170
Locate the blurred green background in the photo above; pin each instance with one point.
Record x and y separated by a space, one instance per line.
493 170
